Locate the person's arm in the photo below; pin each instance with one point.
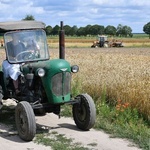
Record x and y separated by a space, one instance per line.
10 51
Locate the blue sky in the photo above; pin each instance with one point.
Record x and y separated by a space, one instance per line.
133 13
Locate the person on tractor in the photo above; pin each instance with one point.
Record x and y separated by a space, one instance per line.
33 46
14 47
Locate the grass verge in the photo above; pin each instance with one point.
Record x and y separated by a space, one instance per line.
123 121
118 119
58 141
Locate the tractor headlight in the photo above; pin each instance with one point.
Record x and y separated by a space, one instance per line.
74 69
41 72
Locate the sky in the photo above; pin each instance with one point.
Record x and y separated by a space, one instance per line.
133 13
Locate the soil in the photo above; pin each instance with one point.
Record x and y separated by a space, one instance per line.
9 139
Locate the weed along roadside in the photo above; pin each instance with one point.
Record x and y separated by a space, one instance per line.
94 139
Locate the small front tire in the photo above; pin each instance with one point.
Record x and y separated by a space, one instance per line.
25 121
84 112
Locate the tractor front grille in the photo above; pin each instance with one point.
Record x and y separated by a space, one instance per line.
61 83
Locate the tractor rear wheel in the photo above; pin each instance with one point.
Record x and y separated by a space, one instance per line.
25 121
84 112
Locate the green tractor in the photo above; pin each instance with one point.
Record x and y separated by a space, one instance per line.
44 84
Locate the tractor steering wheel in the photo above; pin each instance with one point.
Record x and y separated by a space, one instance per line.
26 55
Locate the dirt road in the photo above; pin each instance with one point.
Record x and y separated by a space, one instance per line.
9 139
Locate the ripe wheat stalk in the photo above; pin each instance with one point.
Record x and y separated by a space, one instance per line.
124 75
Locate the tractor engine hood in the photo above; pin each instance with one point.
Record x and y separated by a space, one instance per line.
50 66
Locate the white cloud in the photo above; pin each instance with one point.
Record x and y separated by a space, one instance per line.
109 2
139 2
93 10
134 13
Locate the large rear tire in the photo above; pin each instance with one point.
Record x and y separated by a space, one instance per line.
84 113
25 121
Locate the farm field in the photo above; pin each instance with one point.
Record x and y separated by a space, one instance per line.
124 73
86 42
141 40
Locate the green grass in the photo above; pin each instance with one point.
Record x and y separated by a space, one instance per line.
58 141
123 122
140 35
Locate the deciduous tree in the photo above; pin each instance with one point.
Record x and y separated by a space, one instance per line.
48 30
29 17
110 30
146 29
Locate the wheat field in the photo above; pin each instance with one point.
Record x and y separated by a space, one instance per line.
123 72
86 42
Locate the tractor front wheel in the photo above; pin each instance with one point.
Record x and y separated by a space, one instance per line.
84 112
25 121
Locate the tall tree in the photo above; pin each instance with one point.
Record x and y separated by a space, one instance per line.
73 30
123 30
48 30
110 30
67 29
119 30
81 31
55 30
29 17
146 29
126 30
87 29
96 29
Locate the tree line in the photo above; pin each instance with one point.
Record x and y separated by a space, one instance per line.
93 30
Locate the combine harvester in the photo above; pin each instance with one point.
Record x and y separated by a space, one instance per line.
103 42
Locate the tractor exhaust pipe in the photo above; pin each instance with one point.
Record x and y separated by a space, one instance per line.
61 42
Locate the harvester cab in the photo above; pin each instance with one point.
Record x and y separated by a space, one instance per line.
100 42
103 42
